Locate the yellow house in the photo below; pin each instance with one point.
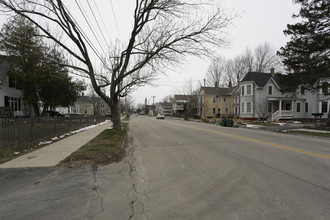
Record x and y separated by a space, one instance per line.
215 102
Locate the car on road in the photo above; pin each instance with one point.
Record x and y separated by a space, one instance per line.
160 116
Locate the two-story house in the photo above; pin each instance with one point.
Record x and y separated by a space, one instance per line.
164 108
262 96
11 97
216 102
183 103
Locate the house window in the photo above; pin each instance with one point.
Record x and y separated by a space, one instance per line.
214 99
324 107
306 106
270 90
248 107
226 111
14 103
270 107
201 99
325 88
236 110
242 90
298 106
302 90
213 110
218 110
224 99
248 89
243 109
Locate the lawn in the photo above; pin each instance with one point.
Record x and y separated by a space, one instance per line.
106 148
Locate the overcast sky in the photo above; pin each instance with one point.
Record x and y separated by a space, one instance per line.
259 21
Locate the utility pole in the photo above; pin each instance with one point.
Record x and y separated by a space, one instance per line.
153 100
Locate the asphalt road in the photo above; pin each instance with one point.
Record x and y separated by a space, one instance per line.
182 170
187 170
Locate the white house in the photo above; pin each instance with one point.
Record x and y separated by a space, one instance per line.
262 96
164 108
11 102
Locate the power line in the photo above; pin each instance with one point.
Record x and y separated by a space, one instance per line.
114 15
89 25
84 35
106 30
97 23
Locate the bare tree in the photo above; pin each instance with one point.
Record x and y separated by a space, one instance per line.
168 99
163 33
229 76
215 71
265 57
248 59
239 70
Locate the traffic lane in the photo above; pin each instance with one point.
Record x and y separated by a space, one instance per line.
312 169
308 143
194 175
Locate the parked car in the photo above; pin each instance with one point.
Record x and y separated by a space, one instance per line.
52 114
160 116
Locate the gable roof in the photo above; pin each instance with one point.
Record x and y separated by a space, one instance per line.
217 91
261 79
165 104
182 97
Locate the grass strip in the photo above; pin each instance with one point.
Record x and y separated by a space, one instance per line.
106 148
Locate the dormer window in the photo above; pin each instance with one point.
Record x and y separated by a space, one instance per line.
248 90
302 90
270 90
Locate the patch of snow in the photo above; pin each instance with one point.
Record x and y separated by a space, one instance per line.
253 126
280 124
16 153
45 142
296 122
311 130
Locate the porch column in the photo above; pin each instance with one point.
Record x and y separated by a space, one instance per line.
280 108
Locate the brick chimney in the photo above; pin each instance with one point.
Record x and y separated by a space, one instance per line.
230 84
296 70
272 70
216 84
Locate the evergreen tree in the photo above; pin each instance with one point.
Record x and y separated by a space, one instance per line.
38 69
309 47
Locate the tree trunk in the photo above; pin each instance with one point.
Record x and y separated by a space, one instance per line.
327 122
36 110
115 114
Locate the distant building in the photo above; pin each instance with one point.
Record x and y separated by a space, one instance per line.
180 102
164 108
215 102
87 105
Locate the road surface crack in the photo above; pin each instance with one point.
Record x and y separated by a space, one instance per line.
136 203
95 191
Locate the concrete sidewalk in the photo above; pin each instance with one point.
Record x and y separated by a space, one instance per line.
52 154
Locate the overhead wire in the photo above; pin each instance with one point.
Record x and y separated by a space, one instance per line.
105 28
89 25
114 15
97 23
84 35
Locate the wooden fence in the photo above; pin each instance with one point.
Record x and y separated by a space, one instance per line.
16 133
